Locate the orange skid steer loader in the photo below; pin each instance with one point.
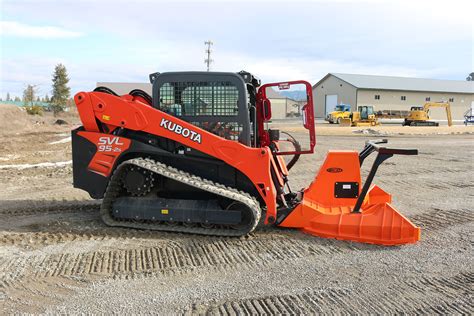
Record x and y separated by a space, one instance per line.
200 156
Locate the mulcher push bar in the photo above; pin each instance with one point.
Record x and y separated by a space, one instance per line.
384 153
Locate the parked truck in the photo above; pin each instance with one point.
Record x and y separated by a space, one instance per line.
340 112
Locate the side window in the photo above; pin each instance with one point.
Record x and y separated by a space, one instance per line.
167 100
210 105
226 99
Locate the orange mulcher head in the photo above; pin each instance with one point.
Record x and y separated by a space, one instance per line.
334 205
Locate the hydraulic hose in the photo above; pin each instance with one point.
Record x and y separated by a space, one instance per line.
297 147
105 90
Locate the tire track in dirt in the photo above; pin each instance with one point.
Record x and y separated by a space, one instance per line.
448 186
418 171
394 183
44 238
453 295
49 230
438 186
265 246
33 296
439 219
19 208
206 253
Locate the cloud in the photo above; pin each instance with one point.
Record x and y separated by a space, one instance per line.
16 29
282 41
20 71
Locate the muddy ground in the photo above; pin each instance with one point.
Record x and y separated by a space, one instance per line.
56 256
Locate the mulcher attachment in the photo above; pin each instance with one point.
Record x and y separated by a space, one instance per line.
334 205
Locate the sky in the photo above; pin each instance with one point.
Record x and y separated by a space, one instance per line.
125 41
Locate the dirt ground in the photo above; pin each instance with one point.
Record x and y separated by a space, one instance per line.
56 256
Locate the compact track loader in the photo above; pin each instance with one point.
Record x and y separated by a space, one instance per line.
198 157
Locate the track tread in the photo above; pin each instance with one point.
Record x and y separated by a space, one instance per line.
204 184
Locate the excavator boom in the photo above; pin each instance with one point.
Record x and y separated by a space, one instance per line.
445 105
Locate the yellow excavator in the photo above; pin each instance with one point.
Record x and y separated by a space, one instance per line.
365 116
419 115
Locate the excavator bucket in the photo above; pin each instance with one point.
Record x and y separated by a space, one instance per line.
335 205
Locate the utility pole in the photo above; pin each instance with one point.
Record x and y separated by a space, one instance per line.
208 52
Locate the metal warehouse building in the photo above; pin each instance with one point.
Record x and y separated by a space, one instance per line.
391 93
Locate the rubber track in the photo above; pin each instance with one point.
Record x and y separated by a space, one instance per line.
455 292
114 187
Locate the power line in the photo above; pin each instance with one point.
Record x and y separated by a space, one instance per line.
208 52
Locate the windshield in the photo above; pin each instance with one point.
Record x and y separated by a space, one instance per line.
339 108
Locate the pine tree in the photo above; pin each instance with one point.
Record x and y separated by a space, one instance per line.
61 91
17 99
8 97
46 98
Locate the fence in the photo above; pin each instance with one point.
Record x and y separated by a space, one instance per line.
21 103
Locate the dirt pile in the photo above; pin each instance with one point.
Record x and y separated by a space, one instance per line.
14 118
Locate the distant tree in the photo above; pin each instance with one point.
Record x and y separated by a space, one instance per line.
29 95
8 97
1 99
61 91
38 99
46 98
17 99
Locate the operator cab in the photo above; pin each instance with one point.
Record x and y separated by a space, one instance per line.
366 111
214 101
342 108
